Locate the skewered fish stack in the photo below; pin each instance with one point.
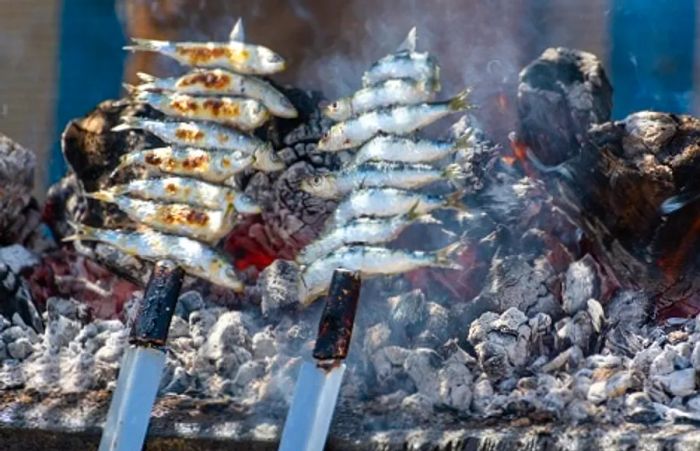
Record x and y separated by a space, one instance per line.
211 114
379 190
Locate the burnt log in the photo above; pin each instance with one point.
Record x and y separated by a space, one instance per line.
613 178
560 95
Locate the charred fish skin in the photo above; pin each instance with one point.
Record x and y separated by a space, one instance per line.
386 93
360 230
370 261
240 112
386 202
399 120
186 190
222 82
195 134
237 56
407 150
216 166
180 219
195 257
378 174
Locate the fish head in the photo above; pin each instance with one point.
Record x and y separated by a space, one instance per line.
334 139
245 204
338 110
325 185
224 275
266 159
269 61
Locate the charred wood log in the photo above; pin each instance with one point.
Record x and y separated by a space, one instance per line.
616 176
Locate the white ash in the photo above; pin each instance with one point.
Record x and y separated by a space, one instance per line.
410 357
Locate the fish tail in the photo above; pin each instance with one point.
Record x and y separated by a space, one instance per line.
454 201
454 172
444 257
460 102
124 161
128 123
146 78
82 232
147 45
105 196
464 141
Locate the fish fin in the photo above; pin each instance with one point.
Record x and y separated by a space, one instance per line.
105 196
409 43
130 89
443 257
460 102
454 201
146 78
560 169
147 45
237 32
412 214
437 87
454 172
464 141
82 232
675 203
128 123
123 162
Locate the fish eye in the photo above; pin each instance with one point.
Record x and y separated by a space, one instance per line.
274 58
335 105
316 180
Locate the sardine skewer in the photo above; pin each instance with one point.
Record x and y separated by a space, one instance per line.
398 120
385 202
217 166
370 261
407 150
193 256
387 93
378 174
240 112
361 230
222 82
189 191
195 134
233 55
181 219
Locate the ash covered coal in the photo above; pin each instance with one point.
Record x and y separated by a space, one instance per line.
538 329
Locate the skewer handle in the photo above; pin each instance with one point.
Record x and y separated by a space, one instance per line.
150 328
335 327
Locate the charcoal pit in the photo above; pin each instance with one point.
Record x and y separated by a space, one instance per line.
572 325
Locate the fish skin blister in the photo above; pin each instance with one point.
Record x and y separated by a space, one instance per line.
378 190
211 113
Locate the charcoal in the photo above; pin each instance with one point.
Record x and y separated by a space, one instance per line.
678 383
15 298
408 312
422 367
279 287
19 216
560 95
580 284
454 386
264 344
188 302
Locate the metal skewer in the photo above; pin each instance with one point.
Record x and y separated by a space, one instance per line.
143 362
318 384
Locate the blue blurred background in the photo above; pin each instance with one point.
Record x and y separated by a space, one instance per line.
62 57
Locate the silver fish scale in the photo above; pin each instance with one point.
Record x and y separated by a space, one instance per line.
342 231
263 61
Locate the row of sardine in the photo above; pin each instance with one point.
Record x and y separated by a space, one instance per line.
378 190
211 111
